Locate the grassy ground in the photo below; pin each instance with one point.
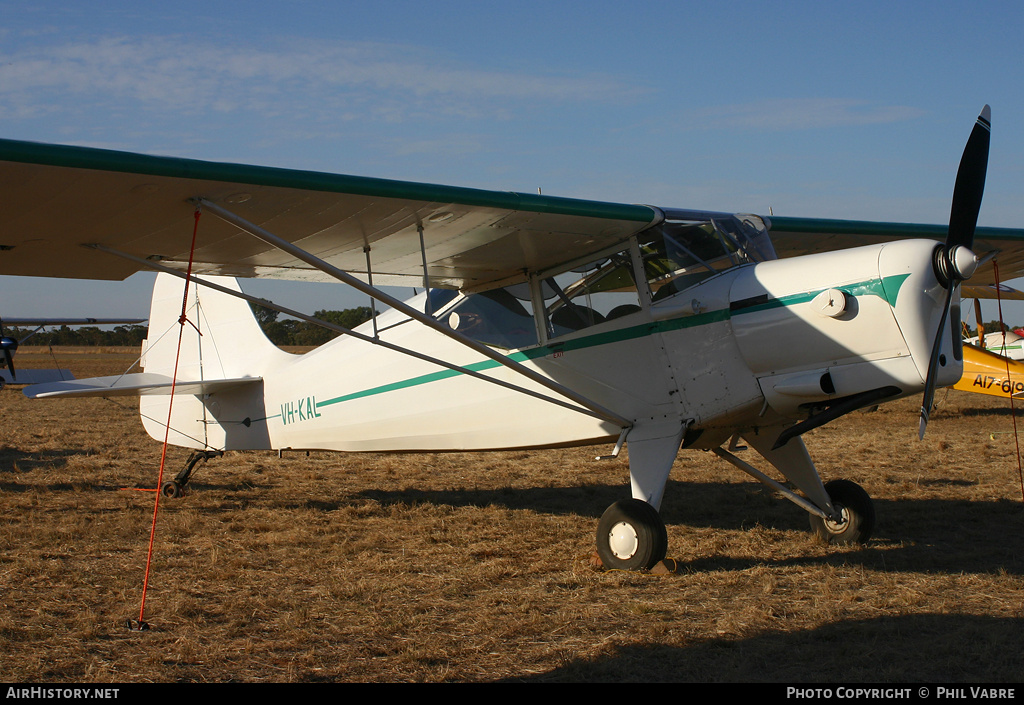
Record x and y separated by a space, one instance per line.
476 567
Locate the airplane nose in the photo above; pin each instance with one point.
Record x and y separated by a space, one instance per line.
923 302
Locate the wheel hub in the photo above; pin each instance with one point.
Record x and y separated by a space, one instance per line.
838 527
623 540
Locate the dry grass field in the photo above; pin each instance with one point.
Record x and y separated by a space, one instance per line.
476 567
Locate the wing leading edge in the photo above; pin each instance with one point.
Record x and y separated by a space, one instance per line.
57 198
803 236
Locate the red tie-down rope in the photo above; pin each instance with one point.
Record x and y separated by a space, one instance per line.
1013 415
182 320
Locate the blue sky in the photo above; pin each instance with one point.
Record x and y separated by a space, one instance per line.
846 110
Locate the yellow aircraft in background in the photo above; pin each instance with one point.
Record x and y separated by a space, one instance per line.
992 362
986 372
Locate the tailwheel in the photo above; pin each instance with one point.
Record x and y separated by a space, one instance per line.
175 488
631 536
172 489
857 511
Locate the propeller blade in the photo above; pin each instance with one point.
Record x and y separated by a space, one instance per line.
970 184
933 367
963 219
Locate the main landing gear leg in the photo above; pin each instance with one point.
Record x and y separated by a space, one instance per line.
841 512
176 487
631 534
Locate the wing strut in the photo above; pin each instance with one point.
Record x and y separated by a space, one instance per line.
343 276
375 339
373 301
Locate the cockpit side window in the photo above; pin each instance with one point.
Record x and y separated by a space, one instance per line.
587 295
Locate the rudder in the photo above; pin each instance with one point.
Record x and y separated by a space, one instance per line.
220 339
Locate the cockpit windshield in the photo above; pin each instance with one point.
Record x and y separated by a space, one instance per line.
681 253
686 248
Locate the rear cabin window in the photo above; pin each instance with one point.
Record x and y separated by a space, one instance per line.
502 318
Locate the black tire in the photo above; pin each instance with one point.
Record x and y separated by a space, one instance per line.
631 536
172 490
858 512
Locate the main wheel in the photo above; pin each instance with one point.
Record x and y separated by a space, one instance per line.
631 536
857 510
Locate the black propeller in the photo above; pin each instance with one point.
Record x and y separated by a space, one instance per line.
954 261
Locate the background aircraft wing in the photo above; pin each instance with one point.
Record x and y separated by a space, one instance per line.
53 199
804 236
35 376
989 291
69 321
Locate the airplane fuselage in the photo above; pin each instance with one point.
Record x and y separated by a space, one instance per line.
757 345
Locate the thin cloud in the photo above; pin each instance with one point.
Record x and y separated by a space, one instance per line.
317 79
799 114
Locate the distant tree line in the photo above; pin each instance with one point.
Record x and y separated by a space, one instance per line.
294 332
281 332
127 335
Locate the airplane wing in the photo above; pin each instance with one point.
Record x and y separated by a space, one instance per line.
35 376
991 291
57 198
804 236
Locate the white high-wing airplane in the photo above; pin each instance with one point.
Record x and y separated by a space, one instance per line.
9 345
545 322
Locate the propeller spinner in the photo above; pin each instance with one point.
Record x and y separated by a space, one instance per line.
954 261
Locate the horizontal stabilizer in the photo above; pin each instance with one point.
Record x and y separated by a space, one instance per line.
35 376
138 384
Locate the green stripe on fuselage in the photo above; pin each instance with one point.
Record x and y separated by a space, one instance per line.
589 341
873 287
887 289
